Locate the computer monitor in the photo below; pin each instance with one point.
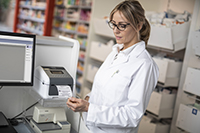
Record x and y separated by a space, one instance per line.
17 57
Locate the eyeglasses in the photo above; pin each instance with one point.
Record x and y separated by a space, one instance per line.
120 27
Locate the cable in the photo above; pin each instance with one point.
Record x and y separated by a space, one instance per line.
25 110
1 87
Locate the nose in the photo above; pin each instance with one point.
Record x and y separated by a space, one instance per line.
116 30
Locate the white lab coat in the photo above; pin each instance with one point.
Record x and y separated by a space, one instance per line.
121 91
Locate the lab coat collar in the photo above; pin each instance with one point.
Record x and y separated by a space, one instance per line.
136 49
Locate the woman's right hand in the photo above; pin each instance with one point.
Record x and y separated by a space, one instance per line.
78 105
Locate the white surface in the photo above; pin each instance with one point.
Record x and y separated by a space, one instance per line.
92 70
100 51
192 82
147 127
162 104
168 38
169 71
187 119
196 41
101 27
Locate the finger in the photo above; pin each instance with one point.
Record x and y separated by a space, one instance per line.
72 99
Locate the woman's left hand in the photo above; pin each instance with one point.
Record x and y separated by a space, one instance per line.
77 105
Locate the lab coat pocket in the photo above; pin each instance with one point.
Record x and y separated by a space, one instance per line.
117 87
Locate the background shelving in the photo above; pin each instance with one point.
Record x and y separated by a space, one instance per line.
187 108
72 19
34 16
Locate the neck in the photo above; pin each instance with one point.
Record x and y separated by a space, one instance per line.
129 45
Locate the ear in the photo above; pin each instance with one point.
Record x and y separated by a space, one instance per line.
140 25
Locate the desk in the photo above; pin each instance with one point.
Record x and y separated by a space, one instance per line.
24 127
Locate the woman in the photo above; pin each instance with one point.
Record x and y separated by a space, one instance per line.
123 84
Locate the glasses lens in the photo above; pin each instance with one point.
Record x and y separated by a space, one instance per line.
121 27
111 25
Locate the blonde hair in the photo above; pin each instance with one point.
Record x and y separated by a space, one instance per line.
135 14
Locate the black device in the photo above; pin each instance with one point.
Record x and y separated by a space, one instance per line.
17 57
5 125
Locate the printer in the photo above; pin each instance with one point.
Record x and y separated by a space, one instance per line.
49 120
53 82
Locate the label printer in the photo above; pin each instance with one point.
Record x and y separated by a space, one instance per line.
53 82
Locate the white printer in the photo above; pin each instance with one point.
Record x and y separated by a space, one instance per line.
49 120
53 82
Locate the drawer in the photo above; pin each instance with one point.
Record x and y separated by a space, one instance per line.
99 51
188 118
192 81
146 126
169 71
101 27
173 38
195 42
162 104
91 71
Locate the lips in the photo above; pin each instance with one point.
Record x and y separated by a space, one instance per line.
118 37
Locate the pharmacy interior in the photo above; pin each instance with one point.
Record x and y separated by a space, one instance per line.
174 44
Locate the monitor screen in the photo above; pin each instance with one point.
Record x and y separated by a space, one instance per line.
17 54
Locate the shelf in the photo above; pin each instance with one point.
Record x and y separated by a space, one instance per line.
81 59
39 20
46 7
85 7
81 34
82 47
162 49
65 30
30 30
79 72
32 7
71 20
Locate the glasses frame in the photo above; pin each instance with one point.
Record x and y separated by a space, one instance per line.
116 25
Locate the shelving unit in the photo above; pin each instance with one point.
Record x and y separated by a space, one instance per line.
187 108
72 19
34 17
96 43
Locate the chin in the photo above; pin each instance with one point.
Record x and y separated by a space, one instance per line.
119 42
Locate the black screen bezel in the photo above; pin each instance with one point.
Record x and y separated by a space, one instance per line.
33 60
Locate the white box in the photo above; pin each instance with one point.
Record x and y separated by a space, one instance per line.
99 51
147 127
192 81
174 38
188 118
196 42
169 71
101 27
91 71
162 104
